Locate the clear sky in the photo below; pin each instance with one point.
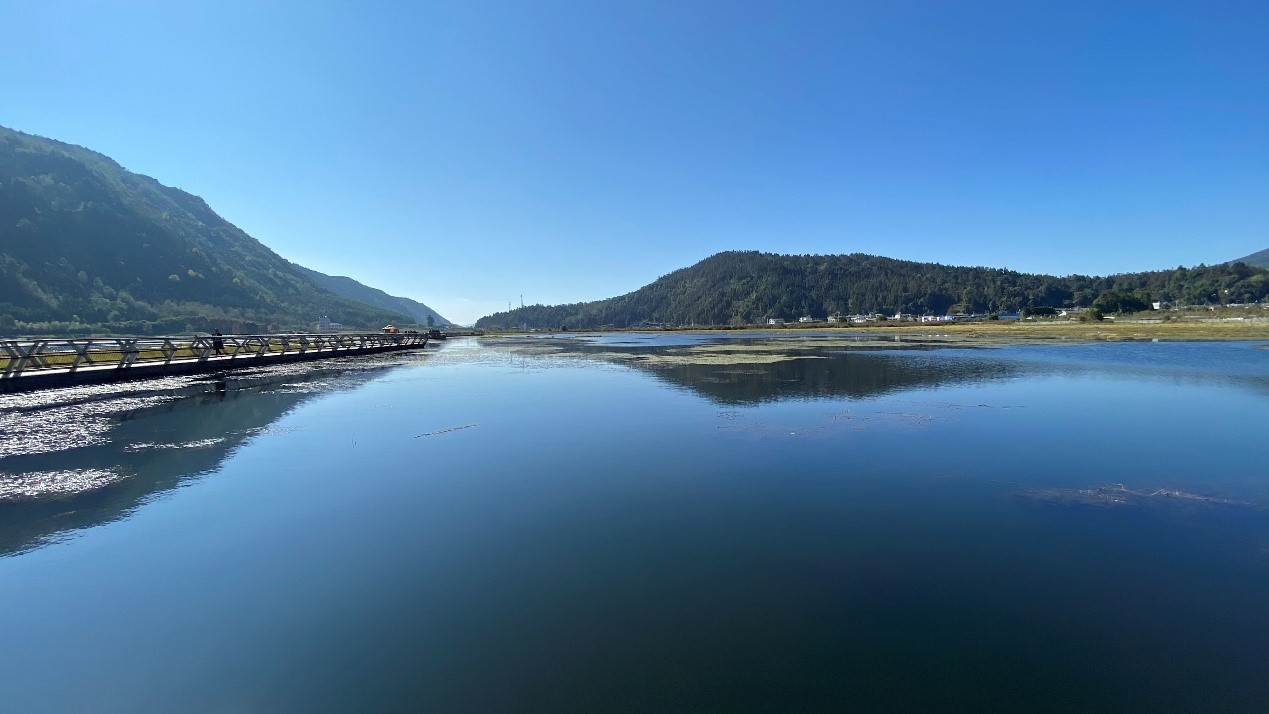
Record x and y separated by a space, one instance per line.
467 153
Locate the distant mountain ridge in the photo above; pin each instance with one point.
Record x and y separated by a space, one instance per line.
353 290
1259 259
745 288
88 246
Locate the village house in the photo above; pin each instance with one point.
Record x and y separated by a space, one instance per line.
324 324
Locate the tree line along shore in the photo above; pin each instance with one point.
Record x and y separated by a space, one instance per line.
1109 329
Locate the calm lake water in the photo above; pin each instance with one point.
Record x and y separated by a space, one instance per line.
650 522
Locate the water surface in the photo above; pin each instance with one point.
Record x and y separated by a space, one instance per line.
635 522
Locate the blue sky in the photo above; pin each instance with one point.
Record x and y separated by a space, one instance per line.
467 153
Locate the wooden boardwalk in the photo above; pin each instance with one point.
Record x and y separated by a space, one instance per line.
41 364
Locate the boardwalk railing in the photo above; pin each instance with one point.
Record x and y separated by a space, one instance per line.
19 357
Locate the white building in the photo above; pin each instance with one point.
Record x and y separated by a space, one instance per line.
324 324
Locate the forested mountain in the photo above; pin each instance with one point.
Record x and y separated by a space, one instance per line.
86 245
740 288
1259 259
353 290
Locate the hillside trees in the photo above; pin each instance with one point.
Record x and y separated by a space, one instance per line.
1115 301
88 245
738 288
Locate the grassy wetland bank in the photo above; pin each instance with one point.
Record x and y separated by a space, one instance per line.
868 518
1001 332
1104 330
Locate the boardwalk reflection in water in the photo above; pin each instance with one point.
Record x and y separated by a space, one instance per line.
658 523
91 463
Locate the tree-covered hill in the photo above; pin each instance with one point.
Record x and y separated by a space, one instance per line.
739 288
87 246
1258 259
353 290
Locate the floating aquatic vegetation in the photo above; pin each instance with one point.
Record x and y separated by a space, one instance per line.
272 429
716 350
641 352
25 439
724 358
445 431
34 485
1117 494
777 345
55 420
913 417
66 396
303 387
197 444
952 406
54 429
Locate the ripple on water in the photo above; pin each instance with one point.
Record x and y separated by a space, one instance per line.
152 446
34 485
61 428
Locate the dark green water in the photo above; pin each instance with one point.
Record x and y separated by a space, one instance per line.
551 525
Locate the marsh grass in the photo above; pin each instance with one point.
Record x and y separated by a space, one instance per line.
1117 331
1130 328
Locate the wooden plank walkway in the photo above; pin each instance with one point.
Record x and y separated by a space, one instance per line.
45 363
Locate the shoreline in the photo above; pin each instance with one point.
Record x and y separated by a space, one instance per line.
1106 331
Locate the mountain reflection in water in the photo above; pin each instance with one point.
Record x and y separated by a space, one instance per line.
852 375
143 452
753 368
638 522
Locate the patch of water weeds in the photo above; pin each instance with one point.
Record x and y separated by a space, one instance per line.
674 356
195 444
732 358
1119 495
757 353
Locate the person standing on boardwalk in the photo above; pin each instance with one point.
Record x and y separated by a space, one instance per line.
218 345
